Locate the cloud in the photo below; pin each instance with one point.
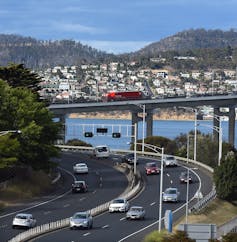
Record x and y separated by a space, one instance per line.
116 47
77 28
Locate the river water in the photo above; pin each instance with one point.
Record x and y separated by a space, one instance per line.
75 128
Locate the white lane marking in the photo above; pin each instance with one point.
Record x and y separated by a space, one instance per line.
40 203
105 226
168 174
175 211
81 199
171 181
66 205
94 192
152 203
122 218
86 234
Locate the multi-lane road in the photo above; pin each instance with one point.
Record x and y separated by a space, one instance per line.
105 183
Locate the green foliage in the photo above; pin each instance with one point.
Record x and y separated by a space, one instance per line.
9 150
20 110
230 237
177 236
225 178
77 142
16 75
155 236
161 142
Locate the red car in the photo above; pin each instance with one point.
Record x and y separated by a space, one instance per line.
152 168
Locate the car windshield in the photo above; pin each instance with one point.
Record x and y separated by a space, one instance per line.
118 201
80 216
151 165
169 158
136 209
171 191
22 216
102 149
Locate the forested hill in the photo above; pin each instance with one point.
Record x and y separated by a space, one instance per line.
192 39
212 48
41 54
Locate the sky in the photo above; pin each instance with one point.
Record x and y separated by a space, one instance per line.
115 26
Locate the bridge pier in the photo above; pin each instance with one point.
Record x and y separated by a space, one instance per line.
62 119
149 123
231 125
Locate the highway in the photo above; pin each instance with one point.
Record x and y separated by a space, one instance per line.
114 227
104 183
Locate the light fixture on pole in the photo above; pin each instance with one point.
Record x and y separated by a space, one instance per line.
219 130
10 131
195 131
161 150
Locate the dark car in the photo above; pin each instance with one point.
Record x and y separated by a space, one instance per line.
129 159
185 177
79 186
152 168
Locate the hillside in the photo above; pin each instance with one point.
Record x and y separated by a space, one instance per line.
212 48
42 54
193 39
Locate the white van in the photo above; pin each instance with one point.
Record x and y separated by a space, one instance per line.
102 151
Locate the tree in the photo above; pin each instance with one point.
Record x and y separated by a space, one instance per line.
20 110
225 177
16 75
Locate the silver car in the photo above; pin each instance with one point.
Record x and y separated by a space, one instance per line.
81 220
25 220
80 168
171 194
135 212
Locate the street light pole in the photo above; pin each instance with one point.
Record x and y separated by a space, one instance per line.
187 196
161 187
219 130
9 131
143 126
195 137
155 149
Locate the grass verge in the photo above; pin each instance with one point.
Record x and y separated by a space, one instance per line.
217 212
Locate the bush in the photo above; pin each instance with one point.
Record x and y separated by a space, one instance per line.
77 142
225 178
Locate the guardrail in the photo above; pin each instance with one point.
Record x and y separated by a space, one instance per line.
45 228
34 232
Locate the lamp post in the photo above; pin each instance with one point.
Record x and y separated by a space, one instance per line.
143 125
188 174
195 131
219 130
161 150
9 131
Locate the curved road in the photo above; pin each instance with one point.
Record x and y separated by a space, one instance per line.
104 183
114 227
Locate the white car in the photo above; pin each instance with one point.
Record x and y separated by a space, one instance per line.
24 220
119 205
171 194
80 168
169 160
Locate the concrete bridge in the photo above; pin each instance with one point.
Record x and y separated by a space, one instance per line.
148 107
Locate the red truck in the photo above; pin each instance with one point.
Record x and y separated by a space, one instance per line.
123 96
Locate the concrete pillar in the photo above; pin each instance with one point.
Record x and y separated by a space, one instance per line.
135 119
232 125
149 123
216 123
62 119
